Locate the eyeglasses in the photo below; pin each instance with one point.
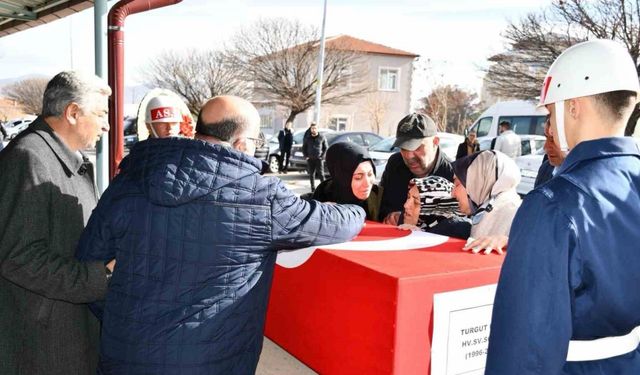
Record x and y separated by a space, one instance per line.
259 142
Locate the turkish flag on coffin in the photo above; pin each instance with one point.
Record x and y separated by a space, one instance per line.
369 312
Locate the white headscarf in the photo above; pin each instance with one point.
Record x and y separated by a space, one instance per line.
490 178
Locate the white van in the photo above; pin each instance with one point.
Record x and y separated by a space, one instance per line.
524 117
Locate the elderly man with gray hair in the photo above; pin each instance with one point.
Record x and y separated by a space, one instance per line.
47 194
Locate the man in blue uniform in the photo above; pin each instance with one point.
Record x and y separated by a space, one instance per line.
567 299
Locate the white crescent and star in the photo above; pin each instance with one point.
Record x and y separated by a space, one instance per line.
415 240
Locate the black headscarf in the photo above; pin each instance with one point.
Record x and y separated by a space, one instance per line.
343 159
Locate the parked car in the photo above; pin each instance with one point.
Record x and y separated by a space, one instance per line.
381 151
262 153
529 165
15 127
130 125
449 144
530 144
525 118
274 149
366 139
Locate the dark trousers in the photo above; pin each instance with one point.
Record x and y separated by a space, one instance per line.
284 160
315 167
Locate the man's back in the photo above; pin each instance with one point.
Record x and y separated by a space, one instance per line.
584 221
195 229
509 144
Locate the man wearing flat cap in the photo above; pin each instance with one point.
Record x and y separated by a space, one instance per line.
419 156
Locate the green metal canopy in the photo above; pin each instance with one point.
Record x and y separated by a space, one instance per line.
18 15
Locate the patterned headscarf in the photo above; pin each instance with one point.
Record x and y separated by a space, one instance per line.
436 202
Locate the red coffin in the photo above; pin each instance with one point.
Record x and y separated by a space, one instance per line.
354 312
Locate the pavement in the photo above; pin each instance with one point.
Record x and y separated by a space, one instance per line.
275 361
296 181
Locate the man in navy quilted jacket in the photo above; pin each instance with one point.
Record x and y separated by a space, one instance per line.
195 231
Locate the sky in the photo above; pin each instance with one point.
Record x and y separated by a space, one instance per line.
456 36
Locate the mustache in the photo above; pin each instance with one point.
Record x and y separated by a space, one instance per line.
413 160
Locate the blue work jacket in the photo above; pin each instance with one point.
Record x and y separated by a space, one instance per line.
572 271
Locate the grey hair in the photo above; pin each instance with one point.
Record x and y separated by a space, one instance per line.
71 87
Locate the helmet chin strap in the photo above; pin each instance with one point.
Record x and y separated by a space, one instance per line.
153 130
562 137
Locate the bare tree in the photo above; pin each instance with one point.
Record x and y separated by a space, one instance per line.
535 41
279 57
452 108
375 107
196 75
28 93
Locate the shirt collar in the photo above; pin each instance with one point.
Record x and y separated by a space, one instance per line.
69 159
599 148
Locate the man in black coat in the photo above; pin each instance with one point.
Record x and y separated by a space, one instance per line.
285 140
314 147
468 147
47 194
419 156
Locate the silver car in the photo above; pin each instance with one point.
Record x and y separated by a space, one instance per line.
381 151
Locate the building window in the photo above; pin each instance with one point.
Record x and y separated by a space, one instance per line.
388 79
338 123
266 121
345 76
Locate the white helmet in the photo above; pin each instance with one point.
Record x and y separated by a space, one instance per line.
163 108
585 69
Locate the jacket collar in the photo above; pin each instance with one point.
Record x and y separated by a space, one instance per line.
68 158
439 161
599 148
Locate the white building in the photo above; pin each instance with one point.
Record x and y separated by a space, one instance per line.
388 73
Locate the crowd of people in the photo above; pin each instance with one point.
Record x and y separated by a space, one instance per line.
170 270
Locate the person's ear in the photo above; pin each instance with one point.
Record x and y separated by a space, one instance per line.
574 108
240 144
72 112
436 141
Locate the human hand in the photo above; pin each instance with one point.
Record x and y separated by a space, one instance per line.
392 218
409 227
111 265
486 243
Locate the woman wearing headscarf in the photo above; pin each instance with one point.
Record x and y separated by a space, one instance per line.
485 188
352 179
431 208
